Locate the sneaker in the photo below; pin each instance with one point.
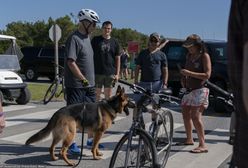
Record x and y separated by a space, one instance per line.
74 149
90 143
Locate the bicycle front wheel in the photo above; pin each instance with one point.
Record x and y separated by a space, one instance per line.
50 92
139 152
163 135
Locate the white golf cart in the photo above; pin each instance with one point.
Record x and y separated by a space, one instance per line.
12 87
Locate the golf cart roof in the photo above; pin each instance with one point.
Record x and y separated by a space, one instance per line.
5 37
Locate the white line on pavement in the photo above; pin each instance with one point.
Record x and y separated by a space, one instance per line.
16 107
218 151
25 118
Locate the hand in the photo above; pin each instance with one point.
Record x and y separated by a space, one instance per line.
185 72
116 78
85 82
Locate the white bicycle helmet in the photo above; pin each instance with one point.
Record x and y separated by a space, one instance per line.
88 14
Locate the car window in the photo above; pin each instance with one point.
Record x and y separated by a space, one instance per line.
30 51
50 52
176 53
218 51
47 53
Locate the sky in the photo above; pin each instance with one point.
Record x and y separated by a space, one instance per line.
170 18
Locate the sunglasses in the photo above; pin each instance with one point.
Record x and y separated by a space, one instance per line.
153 41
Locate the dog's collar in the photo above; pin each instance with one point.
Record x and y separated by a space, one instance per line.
108 108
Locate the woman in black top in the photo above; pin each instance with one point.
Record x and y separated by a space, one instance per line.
197 71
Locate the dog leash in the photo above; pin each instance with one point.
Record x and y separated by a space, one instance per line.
82 141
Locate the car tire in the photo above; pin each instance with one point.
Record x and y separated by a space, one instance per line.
24 97
31 74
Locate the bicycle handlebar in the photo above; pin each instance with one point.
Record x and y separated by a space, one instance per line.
135 87
164 97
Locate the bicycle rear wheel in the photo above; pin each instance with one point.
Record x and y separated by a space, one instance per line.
50 92
163 135
141 152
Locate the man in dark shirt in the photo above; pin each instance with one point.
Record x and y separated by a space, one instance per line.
79 64
106 60
153 65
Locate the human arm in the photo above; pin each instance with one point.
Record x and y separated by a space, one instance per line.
200 75
165 74
75 69
117 63
163 43
245 77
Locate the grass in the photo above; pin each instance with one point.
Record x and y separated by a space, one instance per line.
38 91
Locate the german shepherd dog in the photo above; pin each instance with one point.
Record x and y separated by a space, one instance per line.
96 117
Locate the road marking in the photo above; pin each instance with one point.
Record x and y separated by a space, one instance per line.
216 142
16 107
25 118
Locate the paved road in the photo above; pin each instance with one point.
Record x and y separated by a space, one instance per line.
25 120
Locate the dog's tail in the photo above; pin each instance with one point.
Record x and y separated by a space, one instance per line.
45 132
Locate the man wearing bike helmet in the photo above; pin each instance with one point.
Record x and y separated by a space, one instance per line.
79 64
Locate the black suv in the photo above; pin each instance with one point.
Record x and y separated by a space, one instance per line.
39 62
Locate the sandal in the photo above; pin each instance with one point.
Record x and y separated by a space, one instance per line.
199 150
183 144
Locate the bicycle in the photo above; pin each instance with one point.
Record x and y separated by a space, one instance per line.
141 148
53 90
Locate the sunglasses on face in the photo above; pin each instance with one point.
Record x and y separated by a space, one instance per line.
153 41
90 23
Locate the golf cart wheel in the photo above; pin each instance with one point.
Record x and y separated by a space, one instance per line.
24 97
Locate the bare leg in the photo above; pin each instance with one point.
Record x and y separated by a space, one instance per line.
196 113
107 92
98 93
186 110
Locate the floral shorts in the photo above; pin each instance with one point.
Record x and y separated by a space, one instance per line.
197 97
2 121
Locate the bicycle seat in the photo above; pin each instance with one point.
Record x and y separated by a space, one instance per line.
166 91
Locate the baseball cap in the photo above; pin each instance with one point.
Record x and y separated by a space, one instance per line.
155 35
192 40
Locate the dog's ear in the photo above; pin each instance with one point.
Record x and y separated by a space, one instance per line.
122 93
123 90
118 90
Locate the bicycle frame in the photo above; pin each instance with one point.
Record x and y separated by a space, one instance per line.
138 128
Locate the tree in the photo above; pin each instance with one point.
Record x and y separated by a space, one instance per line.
37 34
